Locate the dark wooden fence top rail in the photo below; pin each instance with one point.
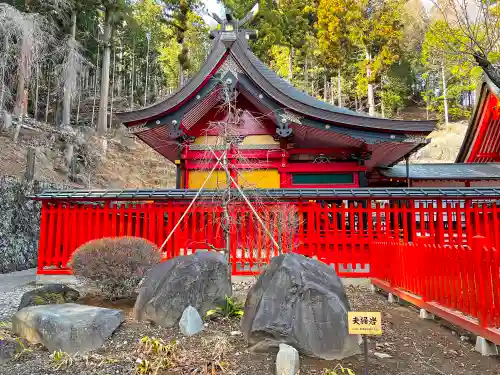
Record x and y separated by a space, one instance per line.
360 193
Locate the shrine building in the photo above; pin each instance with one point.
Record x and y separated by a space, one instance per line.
280 137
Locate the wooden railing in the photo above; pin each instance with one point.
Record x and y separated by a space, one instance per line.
460 283
340 234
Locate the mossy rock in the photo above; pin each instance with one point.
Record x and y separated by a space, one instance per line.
53 294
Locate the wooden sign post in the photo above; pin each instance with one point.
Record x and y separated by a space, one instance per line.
364 324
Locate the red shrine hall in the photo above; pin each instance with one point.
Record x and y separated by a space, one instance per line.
334 184
280 137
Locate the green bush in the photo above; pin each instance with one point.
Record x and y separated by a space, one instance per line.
115 266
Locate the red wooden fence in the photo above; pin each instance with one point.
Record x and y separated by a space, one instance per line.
339 233
460 283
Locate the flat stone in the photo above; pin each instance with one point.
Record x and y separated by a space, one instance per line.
485 347
49 295
191 322
287 360
382 355
68 327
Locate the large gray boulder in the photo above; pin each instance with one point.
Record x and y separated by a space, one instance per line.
49 295
300 302
68 327
200 280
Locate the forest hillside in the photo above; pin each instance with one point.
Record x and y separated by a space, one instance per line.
67 67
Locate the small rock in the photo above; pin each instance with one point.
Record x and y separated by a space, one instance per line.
190 323
454 352
235 333
463 338
8 349
287 360
49 295
381 355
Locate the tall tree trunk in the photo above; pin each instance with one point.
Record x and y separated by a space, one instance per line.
112 88
22 76
306 74
290 64
37 86
382 105
120 62
445 94
181 67
147 76
82 80
47 104
371 94
96 79
132 79
70 78
339 88
102 125
325 87
4 68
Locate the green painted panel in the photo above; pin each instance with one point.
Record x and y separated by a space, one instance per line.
322 178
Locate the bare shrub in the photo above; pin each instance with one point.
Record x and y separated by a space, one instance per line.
115 266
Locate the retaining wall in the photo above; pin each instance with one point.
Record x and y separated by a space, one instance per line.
19 223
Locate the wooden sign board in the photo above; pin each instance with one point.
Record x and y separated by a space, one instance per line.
365 323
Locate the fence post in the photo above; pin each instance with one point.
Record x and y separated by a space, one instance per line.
478 247
29 175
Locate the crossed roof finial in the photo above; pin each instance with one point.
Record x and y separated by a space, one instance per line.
231 23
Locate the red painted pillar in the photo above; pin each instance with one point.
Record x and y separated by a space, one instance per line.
481 276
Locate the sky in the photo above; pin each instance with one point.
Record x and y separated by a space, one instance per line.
213 7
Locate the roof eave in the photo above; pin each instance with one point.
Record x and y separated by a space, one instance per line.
486 88
186 92
399 126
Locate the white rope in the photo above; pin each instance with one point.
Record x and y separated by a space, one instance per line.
190 205
275 243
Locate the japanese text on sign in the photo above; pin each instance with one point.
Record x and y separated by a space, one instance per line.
365 323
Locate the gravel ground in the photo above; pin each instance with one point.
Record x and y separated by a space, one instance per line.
413 346
12 287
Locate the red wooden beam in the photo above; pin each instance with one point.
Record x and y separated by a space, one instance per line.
454 317
483 127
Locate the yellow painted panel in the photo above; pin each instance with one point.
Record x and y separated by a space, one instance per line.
259 178
208 140
259 140
217 179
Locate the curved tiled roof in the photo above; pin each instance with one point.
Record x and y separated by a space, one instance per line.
278 89
449 171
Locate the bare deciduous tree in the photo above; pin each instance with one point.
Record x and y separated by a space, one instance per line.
473 30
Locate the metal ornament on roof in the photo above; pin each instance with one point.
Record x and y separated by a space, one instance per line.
229 66
410 138
137 129
292 117
322 159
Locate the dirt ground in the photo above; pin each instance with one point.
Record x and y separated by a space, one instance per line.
415 347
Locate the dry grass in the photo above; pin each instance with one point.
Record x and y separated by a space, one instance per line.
445 144
128 163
